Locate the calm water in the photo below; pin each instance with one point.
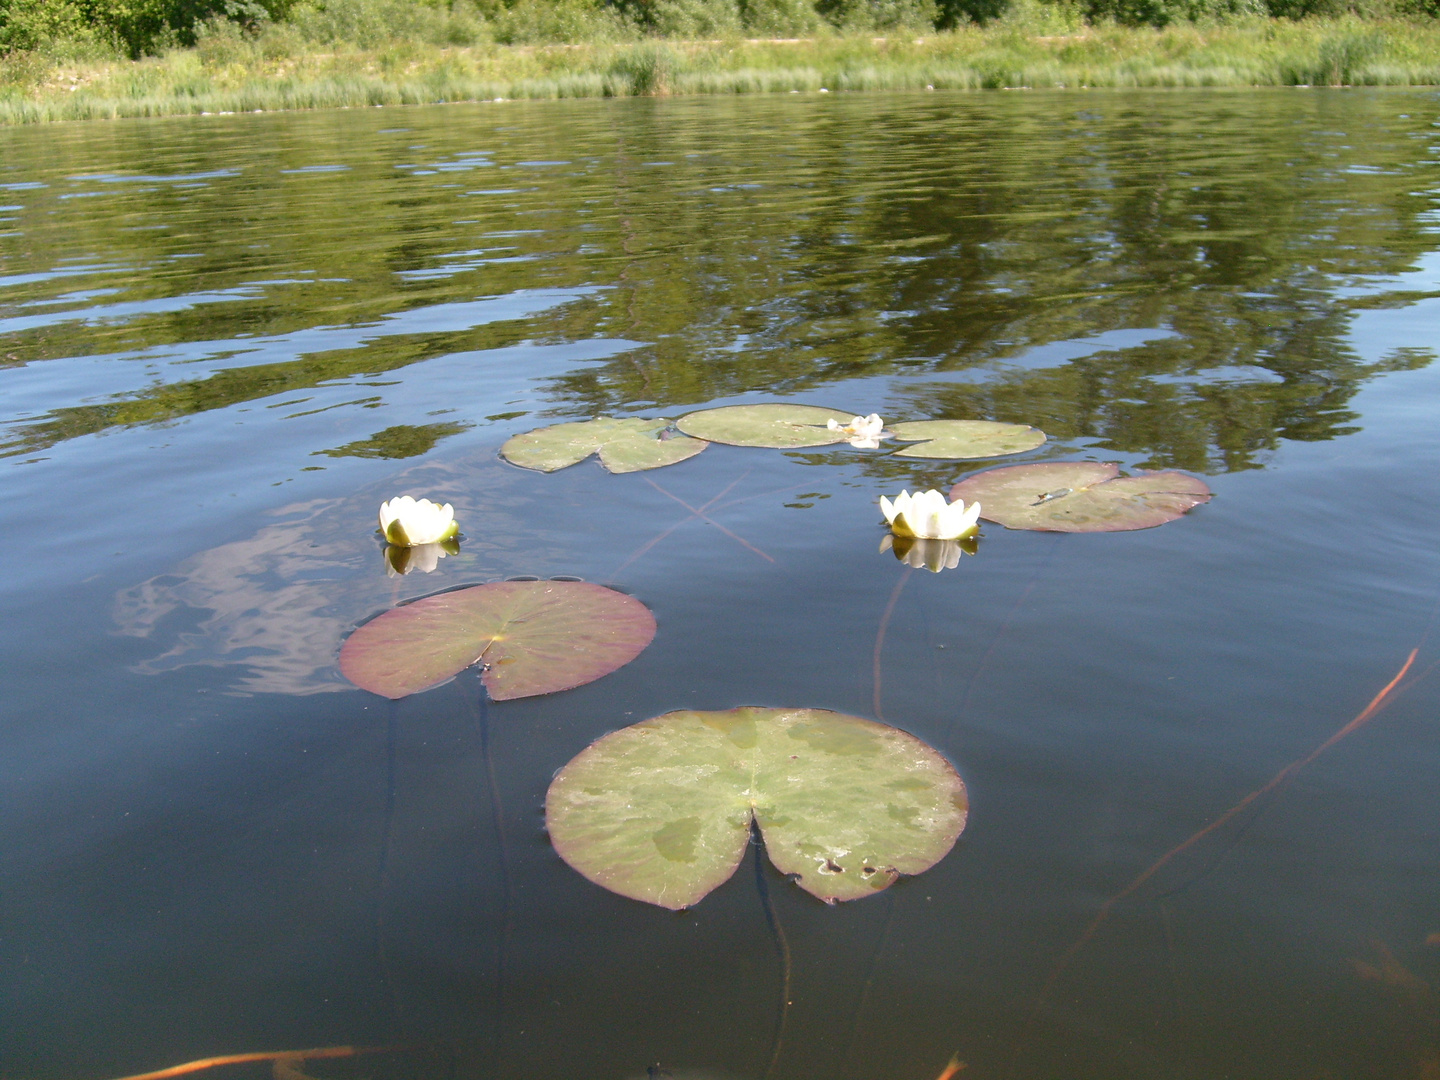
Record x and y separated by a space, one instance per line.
224 340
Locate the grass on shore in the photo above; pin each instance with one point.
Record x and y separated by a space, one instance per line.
231 73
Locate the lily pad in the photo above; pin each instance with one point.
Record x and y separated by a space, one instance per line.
661 811
628 445
1080 496
782 427
533 637
956 440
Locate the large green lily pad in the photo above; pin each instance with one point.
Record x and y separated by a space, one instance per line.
783 427
533 637
628 445
661 811
1080 496
956 440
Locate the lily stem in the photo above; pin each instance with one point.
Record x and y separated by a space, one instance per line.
382 882
880 636
865 991
1386 695
497 818
782 947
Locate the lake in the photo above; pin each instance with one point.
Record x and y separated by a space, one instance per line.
225 340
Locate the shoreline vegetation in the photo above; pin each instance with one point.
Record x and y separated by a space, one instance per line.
231 66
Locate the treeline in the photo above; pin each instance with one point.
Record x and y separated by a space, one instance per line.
138 27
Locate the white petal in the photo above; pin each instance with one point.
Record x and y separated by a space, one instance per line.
964 522
426 517
888 508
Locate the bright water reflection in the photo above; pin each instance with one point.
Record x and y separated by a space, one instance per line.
224 340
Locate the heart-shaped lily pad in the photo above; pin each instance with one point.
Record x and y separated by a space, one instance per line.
956 440
782 427
661 811
1080 496
533 637
628 445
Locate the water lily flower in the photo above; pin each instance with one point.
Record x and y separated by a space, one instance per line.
929 516
932 555
408 523
863 432
422 557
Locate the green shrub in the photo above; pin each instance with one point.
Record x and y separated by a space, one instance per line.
782 18
695 19
369 24
27 25
136 26
917 15
559 21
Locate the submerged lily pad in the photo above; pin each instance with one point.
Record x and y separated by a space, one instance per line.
955 440
782 427
1080 496
661 811
628 445
533 637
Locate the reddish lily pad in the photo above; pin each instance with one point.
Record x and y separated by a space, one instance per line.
1080 496
661 811
533 637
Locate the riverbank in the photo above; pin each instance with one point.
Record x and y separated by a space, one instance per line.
232 73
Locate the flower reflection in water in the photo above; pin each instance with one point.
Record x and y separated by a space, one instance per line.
933 555
401 560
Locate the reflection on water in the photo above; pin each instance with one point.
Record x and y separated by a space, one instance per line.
418 558
1178 286
932 555
266 606
224 341
275 604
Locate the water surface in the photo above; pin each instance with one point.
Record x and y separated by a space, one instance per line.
224 340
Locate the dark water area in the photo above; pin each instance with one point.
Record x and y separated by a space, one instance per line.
224 340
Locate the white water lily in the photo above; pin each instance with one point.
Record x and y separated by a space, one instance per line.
408 523
862 432
929 516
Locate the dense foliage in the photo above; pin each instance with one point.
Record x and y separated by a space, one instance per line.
133 25
136 27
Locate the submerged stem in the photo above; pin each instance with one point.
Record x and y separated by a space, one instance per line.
1377 703
497 819
782 947
869 985
880 637
382 877
1004 629
318 1052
